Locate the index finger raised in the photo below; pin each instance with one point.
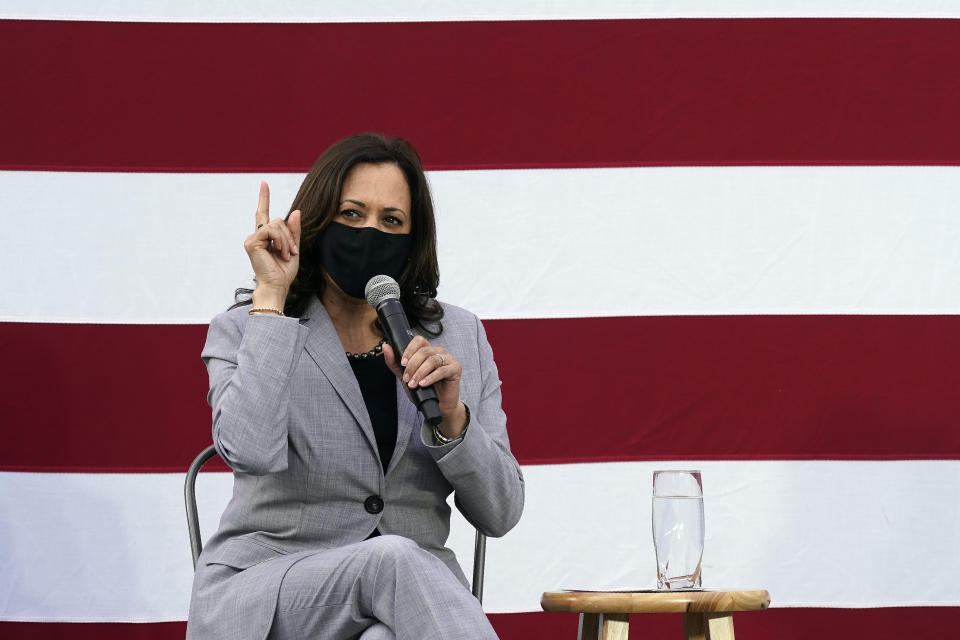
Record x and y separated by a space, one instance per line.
263 205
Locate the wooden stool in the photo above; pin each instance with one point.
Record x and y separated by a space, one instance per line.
605 615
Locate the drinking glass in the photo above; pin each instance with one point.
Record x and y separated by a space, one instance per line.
678 528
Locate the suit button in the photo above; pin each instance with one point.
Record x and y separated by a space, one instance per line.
373 504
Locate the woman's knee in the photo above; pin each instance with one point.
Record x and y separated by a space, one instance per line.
378 631
399 551
391 546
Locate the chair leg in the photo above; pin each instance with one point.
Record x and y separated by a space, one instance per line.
604 626
694 627
719 625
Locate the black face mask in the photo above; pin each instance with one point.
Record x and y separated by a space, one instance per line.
353 255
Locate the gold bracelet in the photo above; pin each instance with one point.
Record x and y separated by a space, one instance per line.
256 310
442 439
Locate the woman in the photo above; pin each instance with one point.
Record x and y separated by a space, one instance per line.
338 520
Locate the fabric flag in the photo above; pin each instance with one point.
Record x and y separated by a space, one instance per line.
723 237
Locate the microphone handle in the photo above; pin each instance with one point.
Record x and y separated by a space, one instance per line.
395 325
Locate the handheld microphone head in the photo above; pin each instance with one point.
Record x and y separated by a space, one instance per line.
383 294
379 289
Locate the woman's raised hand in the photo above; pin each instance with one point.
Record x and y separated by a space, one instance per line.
274 252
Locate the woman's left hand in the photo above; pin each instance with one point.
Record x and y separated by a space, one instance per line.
422 365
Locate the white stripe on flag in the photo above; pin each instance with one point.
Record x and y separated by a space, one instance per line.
167 248
449 10
113 547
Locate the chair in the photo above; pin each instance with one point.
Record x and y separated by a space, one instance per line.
196 544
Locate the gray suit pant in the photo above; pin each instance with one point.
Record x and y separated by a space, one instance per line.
380 589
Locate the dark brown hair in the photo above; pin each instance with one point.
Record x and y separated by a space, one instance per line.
319 203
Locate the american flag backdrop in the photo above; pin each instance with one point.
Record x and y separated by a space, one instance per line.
713 235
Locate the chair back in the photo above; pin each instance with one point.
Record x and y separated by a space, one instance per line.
196 544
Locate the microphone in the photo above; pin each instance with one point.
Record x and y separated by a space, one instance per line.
383 294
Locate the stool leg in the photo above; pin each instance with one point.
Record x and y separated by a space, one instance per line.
604 626
719 625
589 626
615 626
694 627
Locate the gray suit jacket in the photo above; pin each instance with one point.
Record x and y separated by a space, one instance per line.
289 419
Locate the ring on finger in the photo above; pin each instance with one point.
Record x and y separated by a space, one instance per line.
443 360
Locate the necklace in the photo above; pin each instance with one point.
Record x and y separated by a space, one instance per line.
373 353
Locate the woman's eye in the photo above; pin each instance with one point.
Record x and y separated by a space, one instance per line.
392 220
350 213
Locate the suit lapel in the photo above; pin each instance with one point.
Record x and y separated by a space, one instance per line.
408 419
324 346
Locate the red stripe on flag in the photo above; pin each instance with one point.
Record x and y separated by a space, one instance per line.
716 387
783 624
269 97
131 398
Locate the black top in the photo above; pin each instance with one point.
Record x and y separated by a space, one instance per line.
379 388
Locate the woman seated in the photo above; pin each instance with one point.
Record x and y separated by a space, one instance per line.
339 515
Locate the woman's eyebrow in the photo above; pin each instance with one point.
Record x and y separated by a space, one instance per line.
361 204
